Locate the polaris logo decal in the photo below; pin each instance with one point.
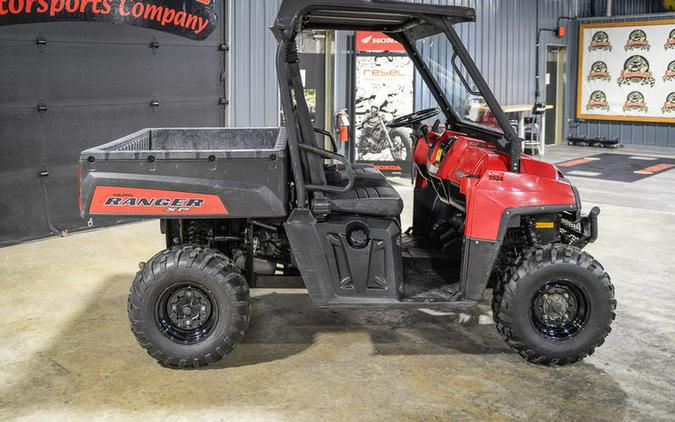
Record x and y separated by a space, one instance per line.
670 72
669 106
599 72
137 201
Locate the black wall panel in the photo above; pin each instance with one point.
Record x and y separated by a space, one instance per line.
97 82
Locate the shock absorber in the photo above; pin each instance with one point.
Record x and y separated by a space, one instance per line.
532 235
198 233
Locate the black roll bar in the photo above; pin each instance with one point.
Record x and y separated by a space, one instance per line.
461 77
424 72
329 136
331 155
291 123
488 96
408 23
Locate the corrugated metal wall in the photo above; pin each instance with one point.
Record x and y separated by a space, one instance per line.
629 7
254 99
501 42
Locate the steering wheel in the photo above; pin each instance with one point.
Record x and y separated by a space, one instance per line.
412 118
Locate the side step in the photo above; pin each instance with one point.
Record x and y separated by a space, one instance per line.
361 303
430 280
429 275
389 271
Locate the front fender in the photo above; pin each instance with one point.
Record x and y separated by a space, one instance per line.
493 204
498 194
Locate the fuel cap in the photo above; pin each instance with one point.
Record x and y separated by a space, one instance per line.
358 238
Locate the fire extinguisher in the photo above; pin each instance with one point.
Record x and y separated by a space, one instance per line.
342 125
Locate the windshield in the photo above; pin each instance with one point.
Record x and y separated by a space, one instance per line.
470 107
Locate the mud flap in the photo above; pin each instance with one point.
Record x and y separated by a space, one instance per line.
309 255
478 258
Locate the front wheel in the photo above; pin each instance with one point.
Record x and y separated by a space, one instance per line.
400 148
555 305
189 306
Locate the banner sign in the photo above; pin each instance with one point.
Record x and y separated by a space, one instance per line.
383 90
627 71
194 19
376 41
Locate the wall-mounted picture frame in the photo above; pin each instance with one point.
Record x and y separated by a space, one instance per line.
626 71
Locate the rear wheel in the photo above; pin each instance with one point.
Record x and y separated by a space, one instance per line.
189 306
555 305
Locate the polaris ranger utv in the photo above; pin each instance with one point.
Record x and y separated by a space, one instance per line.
241 207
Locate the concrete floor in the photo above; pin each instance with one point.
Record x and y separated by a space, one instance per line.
66 352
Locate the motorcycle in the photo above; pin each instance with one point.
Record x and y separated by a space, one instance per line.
376 137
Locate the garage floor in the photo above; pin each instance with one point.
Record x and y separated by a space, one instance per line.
66 351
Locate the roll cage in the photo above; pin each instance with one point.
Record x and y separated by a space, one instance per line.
404 22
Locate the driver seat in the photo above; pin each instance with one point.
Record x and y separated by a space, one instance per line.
365 174
378 200
371 193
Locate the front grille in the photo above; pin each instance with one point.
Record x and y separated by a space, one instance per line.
572 232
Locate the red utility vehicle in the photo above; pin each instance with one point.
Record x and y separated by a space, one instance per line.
249 207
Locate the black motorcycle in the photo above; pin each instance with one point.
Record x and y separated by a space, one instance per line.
376 137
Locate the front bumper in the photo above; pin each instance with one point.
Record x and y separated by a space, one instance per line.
581 232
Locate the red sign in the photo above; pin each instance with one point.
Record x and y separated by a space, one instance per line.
194 19
376 41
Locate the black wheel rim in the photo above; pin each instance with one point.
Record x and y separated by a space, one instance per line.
186 312
559 310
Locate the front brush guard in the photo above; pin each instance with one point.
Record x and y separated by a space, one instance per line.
591 224
583 231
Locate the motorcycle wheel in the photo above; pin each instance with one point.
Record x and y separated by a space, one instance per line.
400 144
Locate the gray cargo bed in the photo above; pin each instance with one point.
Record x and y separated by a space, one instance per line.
246 168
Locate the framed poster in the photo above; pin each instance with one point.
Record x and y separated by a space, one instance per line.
627 71
383 89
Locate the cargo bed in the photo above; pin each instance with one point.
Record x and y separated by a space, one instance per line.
207 172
